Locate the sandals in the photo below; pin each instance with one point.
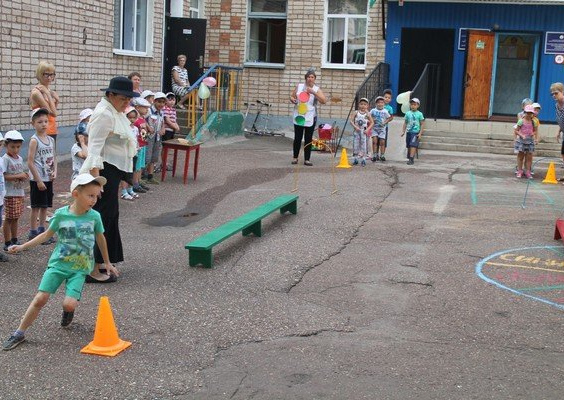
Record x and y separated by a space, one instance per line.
127 196
308 163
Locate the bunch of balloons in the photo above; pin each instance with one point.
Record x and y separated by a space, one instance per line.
403 99
303 98
204 90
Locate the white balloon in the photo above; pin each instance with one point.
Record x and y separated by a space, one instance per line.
405 108
403 98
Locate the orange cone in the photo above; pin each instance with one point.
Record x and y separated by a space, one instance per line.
106 339
550 174
344 162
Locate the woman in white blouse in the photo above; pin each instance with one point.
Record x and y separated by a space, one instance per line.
111 149
180 82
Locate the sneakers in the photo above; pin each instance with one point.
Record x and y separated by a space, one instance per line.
375 158
13 342
67 318
139 189
144 186
410 162
153 181
355 162
529 175
363 163
32 235
133 194
127 196
519 174
382 158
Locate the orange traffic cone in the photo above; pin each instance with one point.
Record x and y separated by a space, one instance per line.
106 339
344 162
550 174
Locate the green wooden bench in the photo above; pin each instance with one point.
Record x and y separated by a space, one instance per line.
200 249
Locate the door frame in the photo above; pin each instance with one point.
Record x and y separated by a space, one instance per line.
534 81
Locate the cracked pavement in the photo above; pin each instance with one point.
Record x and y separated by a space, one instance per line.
369 293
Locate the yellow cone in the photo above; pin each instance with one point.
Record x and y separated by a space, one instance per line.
106 339
550 174
344 163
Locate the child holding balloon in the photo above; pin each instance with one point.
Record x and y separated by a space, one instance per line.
362 123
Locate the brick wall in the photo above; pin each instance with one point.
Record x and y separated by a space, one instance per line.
226 39
77 37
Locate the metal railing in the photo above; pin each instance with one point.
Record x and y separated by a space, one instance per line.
224 96
372 87
427 90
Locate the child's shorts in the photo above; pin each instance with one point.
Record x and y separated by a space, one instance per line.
527 147
13 207
380 134
153 151
141 162
411 139
53 277
41 198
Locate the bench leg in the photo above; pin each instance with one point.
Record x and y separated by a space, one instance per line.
203 257
292 207
255 229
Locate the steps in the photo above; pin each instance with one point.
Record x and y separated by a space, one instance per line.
483 137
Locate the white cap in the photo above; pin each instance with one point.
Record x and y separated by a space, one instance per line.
84 114
536 105
415 100
160 95
146 93
129 109
13 135
85 179
38 109
140 101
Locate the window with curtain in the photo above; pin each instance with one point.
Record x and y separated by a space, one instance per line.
132 25
345 33
266 32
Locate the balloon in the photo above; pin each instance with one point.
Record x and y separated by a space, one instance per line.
303 97
403 98
203 92
302 108
299 120
405 108
209 81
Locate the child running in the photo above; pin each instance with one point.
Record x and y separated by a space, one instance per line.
78 226
42 165
16 178
381 118
413 128
527 137
362 123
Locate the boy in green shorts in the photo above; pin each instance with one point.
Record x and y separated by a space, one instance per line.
78 226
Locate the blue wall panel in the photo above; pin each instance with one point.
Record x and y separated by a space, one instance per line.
506 18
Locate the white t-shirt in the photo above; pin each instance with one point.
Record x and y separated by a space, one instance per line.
76 160
14 166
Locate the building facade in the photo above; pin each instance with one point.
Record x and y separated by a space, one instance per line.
493 54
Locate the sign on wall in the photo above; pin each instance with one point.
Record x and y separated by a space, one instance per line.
463 36
554 43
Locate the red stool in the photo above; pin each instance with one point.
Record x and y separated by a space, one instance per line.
175 145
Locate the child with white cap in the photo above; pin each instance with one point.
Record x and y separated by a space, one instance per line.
413 128
148 95
156 123
80 130
16 178
78 227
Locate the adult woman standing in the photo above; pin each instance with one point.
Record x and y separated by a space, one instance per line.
42 96
111 149
135 77
557 92
306 96
180 82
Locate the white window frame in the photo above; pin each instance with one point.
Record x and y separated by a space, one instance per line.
199 11
268 15
347 17
149 33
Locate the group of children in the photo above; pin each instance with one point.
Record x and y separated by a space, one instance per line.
526 133
370 135
153 120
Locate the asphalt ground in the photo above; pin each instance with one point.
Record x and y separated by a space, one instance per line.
367 293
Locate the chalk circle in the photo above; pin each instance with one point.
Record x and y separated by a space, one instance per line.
299 120
303 97
302 108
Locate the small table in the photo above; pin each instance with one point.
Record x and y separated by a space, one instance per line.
176 145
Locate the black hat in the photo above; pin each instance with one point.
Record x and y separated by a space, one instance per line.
121 85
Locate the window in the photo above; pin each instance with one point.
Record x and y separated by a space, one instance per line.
195 8
345 34
133 27
266 33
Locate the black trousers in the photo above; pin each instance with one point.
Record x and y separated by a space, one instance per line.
298 135
108 207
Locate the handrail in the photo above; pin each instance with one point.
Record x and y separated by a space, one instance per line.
427 90
373 86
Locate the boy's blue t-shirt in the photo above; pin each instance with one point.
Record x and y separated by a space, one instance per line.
413 121
389 108
74 251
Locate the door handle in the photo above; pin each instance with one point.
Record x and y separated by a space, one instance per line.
200 61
